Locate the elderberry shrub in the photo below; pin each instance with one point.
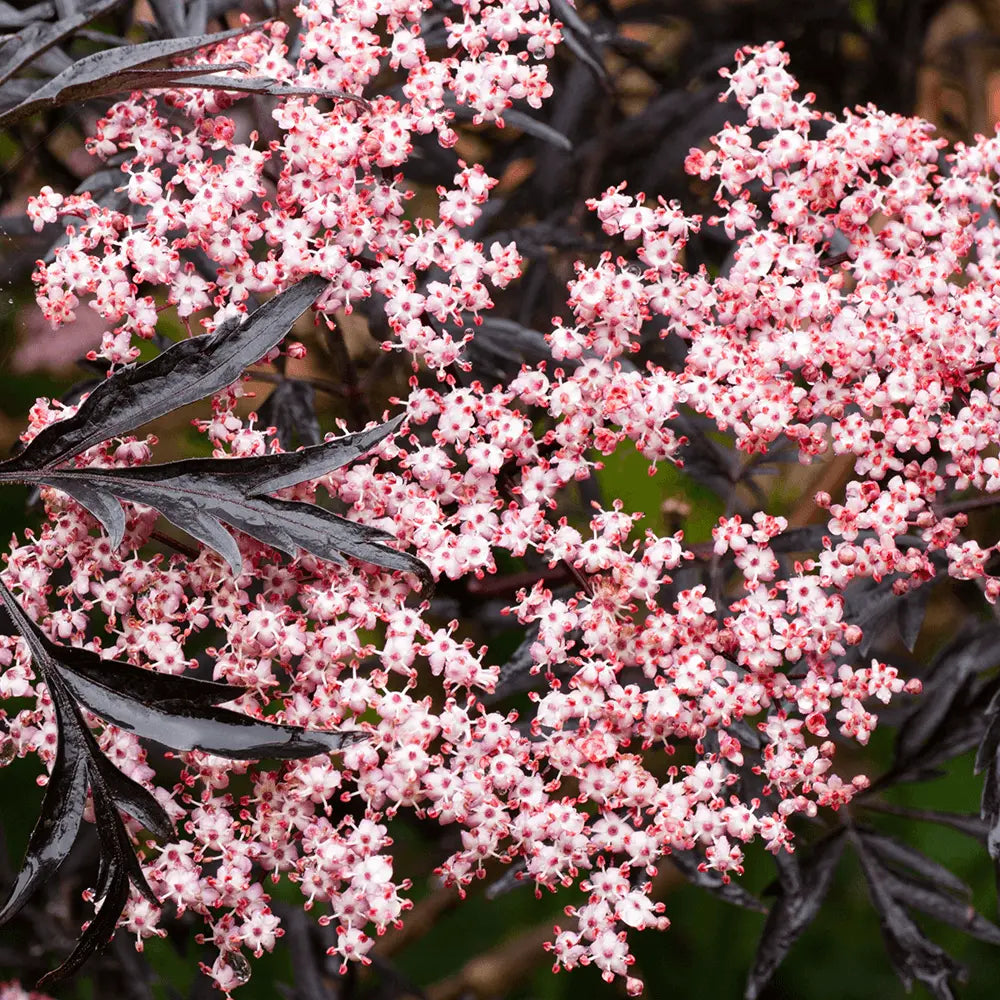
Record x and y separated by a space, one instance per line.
673 701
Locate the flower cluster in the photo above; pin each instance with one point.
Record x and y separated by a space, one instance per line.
885 352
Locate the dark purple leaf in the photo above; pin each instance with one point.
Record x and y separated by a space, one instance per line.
104 506
870 606
794 911
196 727
512 117
169 16
98 933
971 825
188 371
200 495
942 906
157 706
912 954
61 813
131 797
197 19
291 411
114 70
263 85
808 538
10 17
579 38
146 686
178 712
949 691
991 739
116 847
895 853
271 473
539 130
910 613
513 878
990 805
703 459
32 40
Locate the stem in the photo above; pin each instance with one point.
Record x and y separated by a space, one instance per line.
974 503
331 388
176 544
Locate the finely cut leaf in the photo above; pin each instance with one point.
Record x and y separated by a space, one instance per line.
61 814
946 688
912 954
794 911
157 706
971 825
98 933
290 409
104 506
895 853
183 374
112 71
990 806
138 802
991 739
34 39
272 473
213 730
199 495
942 906
147 686
266 86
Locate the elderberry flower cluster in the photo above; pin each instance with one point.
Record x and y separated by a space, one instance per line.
885 355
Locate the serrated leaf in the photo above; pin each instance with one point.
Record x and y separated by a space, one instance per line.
896 853
219 731
157 706
174 710
794 911
271 473
32 40
290 409
200 495
949 688
146 686
60 816
185 373
114 70
262 85
98 933
971 825
942 906
912 954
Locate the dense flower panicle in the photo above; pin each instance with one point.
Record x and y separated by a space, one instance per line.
878 352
